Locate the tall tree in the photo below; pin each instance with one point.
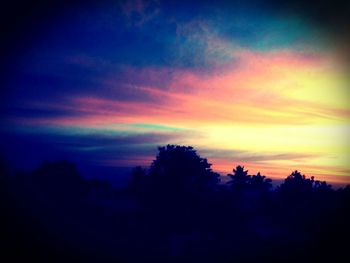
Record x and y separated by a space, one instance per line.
179 168
239 179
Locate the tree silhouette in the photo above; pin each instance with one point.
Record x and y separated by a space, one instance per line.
181 169
175 211
297 185
239 179
60 170
137 180
260 182
322 186
59 178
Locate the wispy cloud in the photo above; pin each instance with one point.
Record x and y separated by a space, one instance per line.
139 12
253 88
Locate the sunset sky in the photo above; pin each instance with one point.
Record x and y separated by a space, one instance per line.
104 85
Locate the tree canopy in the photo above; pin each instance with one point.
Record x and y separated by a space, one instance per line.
180 168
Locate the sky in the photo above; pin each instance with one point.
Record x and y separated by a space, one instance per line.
104 84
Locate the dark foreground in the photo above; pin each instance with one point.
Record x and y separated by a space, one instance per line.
177 211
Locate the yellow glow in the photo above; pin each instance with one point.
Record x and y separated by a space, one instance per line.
281 102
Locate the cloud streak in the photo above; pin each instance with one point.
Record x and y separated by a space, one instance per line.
233 82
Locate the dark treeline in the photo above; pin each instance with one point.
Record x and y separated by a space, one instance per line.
175 211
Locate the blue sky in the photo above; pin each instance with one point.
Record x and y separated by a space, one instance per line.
105 84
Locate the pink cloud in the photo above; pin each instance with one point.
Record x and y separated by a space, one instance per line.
182 96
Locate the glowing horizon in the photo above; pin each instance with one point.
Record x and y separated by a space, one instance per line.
280 104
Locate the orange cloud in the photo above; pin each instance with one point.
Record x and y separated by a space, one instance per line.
276 101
